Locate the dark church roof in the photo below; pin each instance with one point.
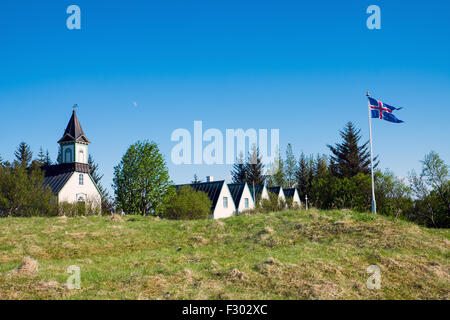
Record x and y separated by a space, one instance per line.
74 132
236 190
275 190
57 175
289 193
212 189
256 190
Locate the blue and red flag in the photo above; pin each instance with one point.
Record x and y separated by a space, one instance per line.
383 111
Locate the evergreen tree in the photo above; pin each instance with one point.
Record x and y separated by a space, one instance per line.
23 154
96 176
349 158
239 172
254 168
196 179
48 160
59 156
304 175
41 157
321 166
275 176
290 167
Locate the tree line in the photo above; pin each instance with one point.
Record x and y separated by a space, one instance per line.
342 180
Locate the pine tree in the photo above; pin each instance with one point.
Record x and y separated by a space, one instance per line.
239 172
304 175
48 160
59 156
105 197
321 166
275 176
196 179
290 167
23 154
41 157
349 158
254 168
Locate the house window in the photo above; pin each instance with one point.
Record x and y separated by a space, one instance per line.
68 155
246 203
225 202
80 179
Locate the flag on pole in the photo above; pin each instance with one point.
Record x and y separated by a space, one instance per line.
383 111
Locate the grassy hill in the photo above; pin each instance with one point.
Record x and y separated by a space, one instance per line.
284 255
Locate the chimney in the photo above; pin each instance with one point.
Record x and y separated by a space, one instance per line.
209 178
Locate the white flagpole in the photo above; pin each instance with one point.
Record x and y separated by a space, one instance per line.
374 204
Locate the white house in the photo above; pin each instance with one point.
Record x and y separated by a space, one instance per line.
293 194
220 196
70 180
241 195
278 191
259 192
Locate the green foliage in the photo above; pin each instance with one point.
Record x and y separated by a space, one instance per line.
273 204
141 180
77 209
22 192
255 168
188 204
290 168
239 172
349 158
393 196
432 190
107 203
276 173
23 154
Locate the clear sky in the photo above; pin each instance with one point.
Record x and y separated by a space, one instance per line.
302 68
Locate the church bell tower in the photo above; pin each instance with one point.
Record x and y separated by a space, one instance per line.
74 144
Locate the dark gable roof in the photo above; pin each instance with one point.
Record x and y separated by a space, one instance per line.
73 131
236 190
275 190
212 189
257 190
56 176
289 193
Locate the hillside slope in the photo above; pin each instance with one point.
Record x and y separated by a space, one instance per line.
285 255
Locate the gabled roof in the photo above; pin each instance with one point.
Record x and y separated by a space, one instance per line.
74 132
275 190
289 193
56 176
236 190
256 190
212 189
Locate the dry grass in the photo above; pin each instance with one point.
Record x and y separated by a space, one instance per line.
285 255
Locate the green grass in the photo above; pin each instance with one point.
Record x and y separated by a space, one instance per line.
316 255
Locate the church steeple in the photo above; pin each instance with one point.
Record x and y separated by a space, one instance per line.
74 144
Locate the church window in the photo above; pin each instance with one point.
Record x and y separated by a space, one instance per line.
80 179
68 155
225 202
81 156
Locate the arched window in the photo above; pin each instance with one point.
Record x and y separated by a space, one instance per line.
68 155
81 156
80 179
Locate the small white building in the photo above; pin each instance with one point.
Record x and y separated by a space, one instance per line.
241 195
278 191
70 180
292 194
259 193
220 196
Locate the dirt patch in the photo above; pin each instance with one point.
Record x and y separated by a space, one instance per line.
236 274
199 240
28 267
116 218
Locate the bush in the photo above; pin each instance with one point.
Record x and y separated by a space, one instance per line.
22 193
272 204
188 204
78 209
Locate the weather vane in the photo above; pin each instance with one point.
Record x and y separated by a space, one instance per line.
75 106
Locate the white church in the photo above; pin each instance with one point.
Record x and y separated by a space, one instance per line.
70 180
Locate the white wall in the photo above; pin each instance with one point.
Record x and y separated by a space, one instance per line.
265 194
246 194
281 195
296 199
84 148
72 190
219 210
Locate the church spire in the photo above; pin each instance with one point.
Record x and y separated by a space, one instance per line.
74 132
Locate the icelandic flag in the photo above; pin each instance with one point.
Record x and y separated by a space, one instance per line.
383 111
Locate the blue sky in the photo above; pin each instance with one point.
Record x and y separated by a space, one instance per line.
302 68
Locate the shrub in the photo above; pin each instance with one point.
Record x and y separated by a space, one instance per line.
188 204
